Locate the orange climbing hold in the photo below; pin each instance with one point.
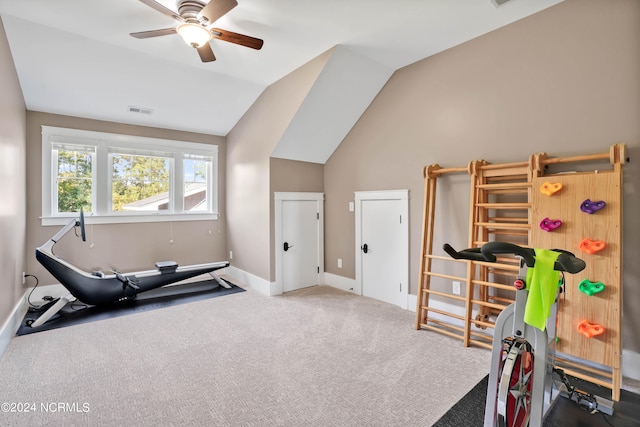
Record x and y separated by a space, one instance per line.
592 246
589 329
549 189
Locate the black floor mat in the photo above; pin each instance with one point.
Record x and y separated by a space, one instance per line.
78 313
469 411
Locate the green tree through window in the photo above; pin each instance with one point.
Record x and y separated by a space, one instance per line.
74 179
119 178
140 183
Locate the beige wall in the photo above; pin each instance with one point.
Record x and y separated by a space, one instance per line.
12 182
126 247
250 143
565 81
291 176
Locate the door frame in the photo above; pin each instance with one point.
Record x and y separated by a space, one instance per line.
280 197
403 197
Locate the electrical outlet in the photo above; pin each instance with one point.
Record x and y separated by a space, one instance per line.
24 277
230 254
339 262
456 288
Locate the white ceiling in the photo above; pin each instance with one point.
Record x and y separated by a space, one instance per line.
76 57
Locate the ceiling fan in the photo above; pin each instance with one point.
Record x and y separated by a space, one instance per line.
195 18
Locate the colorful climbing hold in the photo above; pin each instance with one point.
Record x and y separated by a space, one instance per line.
549 189
588 287
589 329
592 246
550 224
592 207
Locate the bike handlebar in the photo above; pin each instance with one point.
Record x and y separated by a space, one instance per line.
566 261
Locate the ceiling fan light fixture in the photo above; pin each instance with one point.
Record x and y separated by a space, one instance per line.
194 34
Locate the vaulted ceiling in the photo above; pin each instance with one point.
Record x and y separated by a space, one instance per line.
76 57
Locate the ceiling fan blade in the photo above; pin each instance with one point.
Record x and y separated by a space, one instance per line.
215 9
241 39
165 11
206 53
153 33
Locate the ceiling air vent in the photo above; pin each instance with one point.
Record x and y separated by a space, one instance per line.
497 3
140 110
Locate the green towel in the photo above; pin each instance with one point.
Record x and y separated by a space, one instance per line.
542 284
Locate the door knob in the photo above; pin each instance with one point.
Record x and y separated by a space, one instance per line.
365 248
286 246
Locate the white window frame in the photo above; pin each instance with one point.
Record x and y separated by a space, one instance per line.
107 143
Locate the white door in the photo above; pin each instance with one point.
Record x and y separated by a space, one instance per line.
298 240
383 246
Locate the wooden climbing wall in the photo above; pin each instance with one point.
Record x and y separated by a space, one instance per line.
487 292
604 307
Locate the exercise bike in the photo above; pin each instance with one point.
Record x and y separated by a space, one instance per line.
523 381
97 288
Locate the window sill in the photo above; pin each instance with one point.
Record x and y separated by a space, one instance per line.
125 219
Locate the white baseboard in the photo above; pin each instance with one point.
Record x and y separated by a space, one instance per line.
412 302
257 283
631 364
340 282
12 323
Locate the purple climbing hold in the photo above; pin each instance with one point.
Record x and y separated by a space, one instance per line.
592 207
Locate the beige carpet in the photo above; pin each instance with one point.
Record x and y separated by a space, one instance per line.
314 357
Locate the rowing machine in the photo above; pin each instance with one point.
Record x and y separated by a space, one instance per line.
100 288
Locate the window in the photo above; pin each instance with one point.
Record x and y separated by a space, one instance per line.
139 183
119 178
74 177
197 170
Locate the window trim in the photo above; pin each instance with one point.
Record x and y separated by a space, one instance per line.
104 142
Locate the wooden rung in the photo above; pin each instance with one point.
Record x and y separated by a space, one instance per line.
509 260
505 185
509 233
504 270
506 301
481 335
502 225
442 312
444 258
505 205
479 243
440 329
444 294
483 323
442 171
523 177
490 166
445 276
508 192
594 380
488 304
585 368
501 264
445 324
494 285
554 160
508 219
